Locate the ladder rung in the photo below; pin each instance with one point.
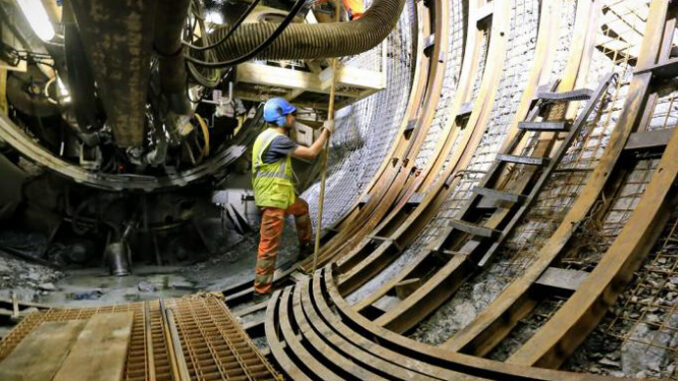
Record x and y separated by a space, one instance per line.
498 195
523 159
566 96
647 140
416 199
564 279
470 228
544 126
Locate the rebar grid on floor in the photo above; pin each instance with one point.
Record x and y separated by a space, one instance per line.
214 345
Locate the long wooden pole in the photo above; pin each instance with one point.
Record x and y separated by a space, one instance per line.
323 178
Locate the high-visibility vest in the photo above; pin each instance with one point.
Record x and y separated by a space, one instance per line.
272 183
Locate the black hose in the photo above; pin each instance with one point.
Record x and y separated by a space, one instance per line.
258 49
228 34
312 41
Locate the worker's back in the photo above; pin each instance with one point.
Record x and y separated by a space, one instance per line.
272 170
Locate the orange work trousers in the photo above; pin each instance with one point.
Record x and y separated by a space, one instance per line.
272 222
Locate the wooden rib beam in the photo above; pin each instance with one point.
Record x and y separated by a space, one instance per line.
469 365
353 235
355 264
446 281
480 336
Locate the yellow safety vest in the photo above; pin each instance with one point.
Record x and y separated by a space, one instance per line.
272 183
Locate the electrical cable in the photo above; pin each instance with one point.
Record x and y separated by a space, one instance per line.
205 133
228 34
288 19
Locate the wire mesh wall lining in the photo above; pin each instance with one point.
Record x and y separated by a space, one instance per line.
450 80
569 177
366 132
520 53
408 256
474 93
643 325
214 347
645 322
567 16
641 330
482 61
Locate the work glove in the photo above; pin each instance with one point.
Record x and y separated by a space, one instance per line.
329 126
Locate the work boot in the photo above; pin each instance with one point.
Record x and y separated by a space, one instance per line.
260 298
305 251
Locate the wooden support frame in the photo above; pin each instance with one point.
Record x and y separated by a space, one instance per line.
496 321
355 274
372 213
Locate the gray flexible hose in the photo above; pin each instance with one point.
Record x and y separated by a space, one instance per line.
310 41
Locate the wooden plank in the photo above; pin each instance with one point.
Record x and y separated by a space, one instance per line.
3 92
664 70
646 140
40 354
563 279
543 126
406 287
100 352
484 14
497 194
527 160
473 229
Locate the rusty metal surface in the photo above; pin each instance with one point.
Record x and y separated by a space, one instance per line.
118 40
214 345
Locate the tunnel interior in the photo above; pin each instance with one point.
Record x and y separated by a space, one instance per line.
498 199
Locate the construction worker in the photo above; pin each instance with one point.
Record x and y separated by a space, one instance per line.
354 8
274 193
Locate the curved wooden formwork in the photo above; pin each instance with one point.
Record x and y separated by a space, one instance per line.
411 310
386 190
371 262
327 339
519 298
319 334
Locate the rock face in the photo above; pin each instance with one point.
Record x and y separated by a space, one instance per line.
459 311
25 279
647 353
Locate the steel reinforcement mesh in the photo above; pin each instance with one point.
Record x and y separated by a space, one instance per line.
614 52
366 129
640 333
520 53
558 193
640 336
214 345
450 79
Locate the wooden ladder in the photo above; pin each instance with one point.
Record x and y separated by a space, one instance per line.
545 116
